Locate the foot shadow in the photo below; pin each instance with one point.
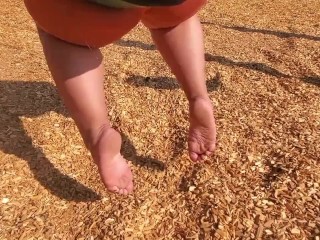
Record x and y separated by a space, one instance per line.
273 175
278 170
32 99
189 179
130 153
168 83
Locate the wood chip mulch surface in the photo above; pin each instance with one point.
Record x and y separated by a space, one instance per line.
263 76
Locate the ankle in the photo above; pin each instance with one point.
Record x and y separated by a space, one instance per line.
199 98
92 135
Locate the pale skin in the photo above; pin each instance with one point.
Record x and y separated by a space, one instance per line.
78 73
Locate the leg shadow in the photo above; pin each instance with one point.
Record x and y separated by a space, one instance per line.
260 67
167 83
314 80
279 34
31 99
136 44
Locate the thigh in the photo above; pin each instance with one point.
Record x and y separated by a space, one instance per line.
165 17
81 22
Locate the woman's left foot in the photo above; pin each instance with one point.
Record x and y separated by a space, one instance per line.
202 132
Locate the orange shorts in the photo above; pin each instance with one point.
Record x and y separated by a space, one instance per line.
83 23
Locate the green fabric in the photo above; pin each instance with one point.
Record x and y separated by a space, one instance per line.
115 3
137 3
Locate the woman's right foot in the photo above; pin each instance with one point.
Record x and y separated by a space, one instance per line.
113 168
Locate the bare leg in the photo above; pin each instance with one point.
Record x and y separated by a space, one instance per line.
182 48
79 75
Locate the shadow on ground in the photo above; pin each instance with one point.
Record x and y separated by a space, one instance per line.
170 83
280 34
260 67
167 83
314 80
136 44
130 153
31 99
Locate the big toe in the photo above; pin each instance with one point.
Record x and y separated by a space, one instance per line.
130 187
194 156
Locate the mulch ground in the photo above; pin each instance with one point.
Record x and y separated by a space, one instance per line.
263 72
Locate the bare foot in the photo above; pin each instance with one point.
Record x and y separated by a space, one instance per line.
202 132
113 168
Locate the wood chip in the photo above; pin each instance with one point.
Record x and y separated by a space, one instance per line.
5 200
295 231
262 182
268 232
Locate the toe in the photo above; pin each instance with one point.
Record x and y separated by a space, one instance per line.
130 188
208 153
194 156
114 189
212 147
121 191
